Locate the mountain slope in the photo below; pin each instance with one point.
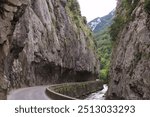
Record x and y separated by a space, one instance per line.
104 49
101 23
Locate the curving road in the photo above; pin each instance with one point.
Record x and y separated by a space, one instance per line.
31 93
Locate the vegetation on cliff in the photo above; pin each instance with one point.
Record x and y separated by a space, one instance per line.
73 10
129 73
147 6
122 18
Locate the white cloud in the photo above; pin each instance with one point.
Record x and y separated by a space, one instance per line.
96 8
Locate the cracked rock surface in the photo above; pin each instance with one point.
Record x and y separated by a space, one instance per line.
41 44
130 69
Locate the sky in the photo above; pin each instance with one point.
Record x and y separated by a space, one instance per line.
96 8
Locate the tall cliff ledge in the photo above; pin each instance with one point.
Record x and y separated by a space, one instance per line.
130 69
44 42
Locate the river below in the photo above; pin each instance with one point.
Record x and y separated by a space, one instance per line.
99 95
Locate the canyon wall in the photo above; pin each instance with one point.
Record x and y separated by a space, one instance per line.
130 68
44 42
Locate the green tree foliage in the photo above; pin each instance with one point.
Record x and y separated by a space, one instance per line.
104 48
127 7
108 36
74 7
147 6
73 10
117 25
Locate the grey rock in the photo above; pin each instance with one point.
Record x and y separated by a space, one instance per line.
40 44
130 69
15 2
9 8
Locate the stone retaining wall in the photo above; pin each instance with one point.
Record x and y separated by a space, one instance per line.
72 91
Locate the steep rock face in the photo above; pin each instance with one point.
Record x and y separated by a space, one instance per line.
42 43
130 69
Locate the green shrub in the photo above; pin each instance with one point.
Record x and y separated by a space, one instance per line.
147 6
104 49
84 20
104 75
74 7
116 27
73 11
127 7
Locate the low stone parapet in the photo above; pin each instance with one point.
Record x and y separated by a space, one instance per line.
72 91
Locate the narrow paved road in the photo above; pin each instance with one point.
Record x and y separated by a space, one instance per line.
31 93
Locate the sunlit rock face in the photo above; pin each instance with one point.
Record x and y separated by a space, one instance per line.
130 69
44 42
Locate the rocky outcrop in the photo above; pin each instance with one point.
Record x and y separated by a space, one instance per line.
130 69
44 42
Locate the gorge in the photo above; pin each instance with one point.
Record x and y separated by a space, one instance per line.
44 42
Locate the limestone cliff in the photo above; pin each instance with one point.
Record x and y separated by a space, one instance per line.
44 42
130 69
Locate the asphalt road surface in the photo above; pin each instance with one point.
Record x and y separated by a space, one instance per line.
31 93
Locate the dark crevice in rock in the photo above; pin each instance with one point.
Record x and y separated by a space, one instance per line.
136 89
15 51
19 13
2 10
64 3
1 44
114 96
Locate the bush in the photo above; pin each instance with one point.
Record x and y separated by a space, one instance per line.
73 11
116 27
74 7
147 6
104 75
120 20
104 48
84 20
